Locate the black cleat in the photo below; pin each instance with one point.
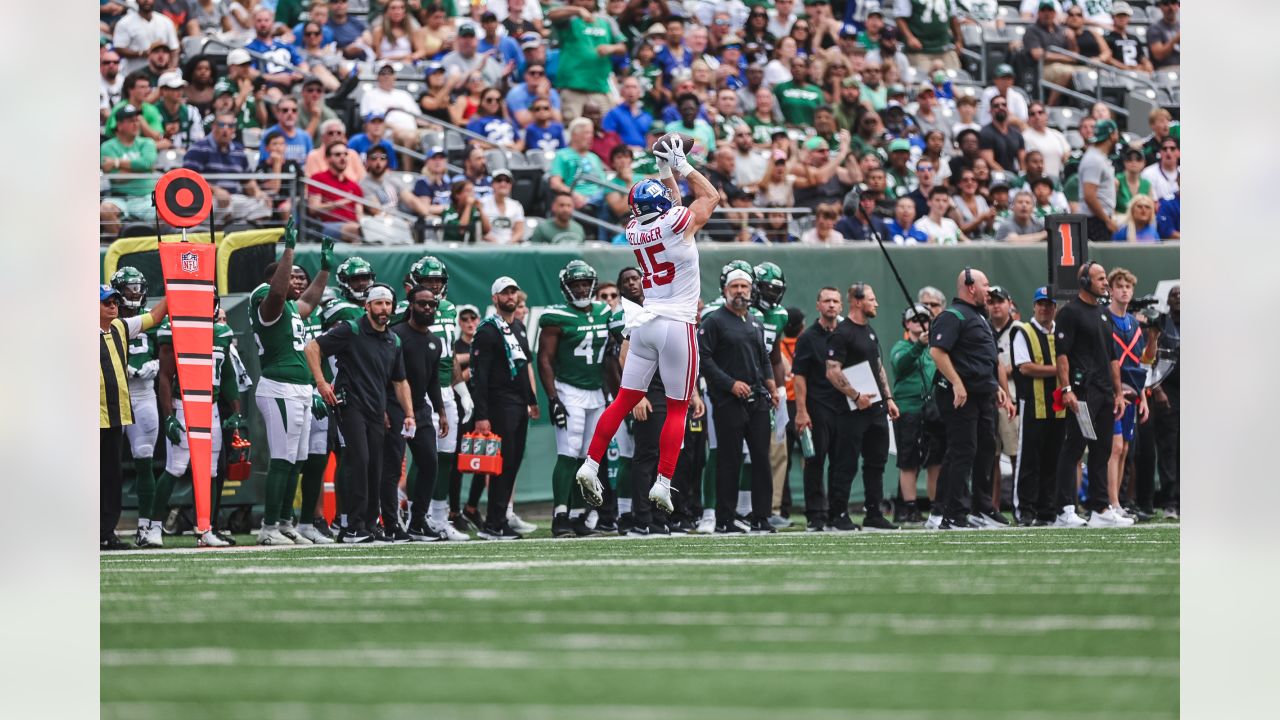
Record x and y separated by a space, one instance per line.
502 532
842 524
354 536
419 531
994 519
657 527
816 524
561 527
730 528
114 543
877 522
580 527
399 536
607 526
959 523
761 526
625 522
681 526
472 516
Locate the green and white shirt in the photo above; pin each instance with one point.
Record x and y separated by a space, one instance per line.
280 342
579 357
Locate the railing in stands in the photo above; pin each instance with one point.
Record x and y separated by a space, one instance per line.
1099 70
144 225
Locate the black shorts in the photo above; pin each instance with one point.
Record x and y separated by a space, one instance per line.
919 443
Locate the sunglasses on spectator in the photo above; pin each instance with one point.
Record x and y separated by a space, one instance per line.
535 73
110 62
720 21
489 100
311 33
286 111
540 108
224 124
1075 13
334 131
501 179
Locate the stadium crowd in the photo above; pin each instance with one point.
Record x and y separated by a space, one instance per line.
516 121
369 377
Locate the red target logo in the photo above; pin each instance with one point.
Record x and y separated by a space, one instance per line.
183 198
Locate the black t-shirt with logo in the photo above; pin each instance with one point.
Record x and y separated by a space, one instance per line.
966 336
1083 333
810 362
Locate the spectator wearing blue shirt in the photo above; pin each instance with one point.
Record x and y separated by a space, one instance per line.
901 226
543 133
491 122
1169 217
318 13
346 30
855 226
535 86
431 191
297 142
1141 226
508 49
374 135
731 55
219 153
630 120
278 57
674 56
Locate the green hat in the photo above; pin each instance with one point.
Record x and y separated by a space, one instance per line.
816 143
1004 70
1103 130
222 87
897 89
900 144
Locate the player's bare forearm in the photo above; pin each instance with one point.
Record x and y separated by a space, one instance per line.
273 304
547 344
884 381
801 387
942 359
313 355
1115 376
705 200
310 297
159 311
402 396
1064 371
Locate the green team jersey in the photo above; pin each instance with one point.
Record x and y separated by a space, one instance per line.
774 320
579 358
761 130
446 328
280 344
142 349
224 383
930 22
798 101
329 314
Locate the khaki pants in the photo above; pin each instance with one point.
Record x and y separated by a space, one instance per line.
778 469
1058 73
923 61
571 102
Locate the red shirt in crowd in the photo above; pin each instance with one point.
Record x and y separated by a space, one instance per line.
346 210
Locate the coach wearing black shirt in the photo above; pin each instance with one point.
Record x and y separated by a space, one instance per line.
1089 373
861 430
817 403
503 394
963 347
422 351
740 381
369 358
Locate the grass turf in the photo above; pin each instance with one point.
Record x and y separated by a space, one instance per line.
903 626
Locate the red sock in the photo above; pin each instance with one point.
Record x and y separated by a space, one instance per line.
612 417
672 437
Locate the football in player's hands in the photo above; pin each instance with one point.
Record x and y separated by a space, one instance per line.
686 142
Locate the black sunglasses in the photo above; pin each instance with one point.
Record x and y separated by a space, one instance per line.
426 303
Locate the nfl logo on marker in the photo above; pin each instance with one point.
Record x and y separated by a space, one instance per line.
190 262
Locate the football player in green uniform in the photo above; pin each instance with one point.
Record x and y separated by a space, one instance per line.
355 275
178 456
770 286
283 395
572 340
430 271
141 370
312 524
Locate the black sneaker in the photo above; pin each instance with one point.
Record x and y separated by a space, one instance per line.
354 536
419 531
816 524
626 521
560 526
1026 520
877 522
1043 522
502 532
114 543
959 523
680 526
607 526
903 511
472 516
638 531
580 527
379 536
226 537
657 527
321 525
761 526
842 524
1142 514
994 518
399 536
730 528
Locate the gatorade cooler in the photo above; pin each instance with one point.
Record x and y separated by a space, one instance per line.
480 453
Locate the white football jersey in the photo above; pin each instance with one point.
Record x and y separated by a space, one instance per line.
669 261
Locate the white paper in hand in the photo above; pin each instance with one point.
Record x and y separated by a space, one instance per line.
863 380
1085 420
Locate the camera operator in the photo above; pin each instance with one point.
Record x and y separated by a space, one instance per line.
1129 344
967 390
369 359
740 382
1035 374
864 429
1088 375
817 403
1166 399
918 430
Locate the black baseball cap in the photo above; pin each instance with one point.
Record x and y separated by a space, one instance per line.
995 291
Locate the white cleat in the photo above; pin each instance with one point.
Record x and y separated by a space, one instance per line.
660 495
1108 519
286 529
152 537
210 539
446 531
706 525
270 535
934 522
309 532
590 486
520 526
1068 518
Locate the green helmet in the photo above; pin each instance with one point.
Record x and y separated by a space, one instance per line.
770 284
574 271
132 286
430 268
732 265
349 270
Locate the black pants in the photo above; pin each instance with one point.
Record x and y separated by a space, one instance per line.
362 439
824 442
1097 230
1035 476
859 434
687 480
793 447
644 462
423 447
111 482
971 448
736 421
1102 413
1168 459
1143 451
511 423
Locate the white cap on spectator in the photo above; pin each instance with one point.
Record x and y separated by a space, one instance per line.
1120 7
239 56
172 79
503 283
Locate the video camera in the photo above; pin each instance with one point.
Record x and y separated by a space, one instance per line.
1144 308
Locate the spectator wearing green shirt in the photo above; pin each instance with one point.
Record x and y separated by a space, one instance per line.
695 127
587 42
873 89
560 228
460 220
127 152
798 97
572 163
930 30
135 91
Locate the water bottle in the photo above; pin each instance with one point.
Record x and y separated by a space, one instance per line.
806 443
465 447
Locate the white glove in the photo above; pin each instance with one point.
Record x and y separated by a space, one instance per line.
464 401
148 370
664 170
670 150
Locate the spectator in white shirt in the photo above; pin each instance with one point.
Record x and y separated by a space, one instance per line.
751 163
1051 144
385 97
941 229
1003 87
110 84
1164 175
135 34
506 214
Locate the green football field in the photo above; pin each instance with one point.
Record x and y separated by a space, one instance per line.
907 625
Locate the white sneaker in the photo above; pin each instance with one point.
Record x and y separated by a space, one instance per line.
934 522
210 539
593 519
590 485
1108 519
286 529
706 525
660 495
520 526
309 532
1068 518
446 531
270 535
1121 512
155 536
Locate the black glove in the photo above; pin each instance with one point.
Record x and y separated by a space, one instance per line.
559 414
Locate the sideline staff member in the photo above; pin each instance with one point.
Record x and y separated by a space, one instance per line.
816 405
369 357
114 407
964 349
864 430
